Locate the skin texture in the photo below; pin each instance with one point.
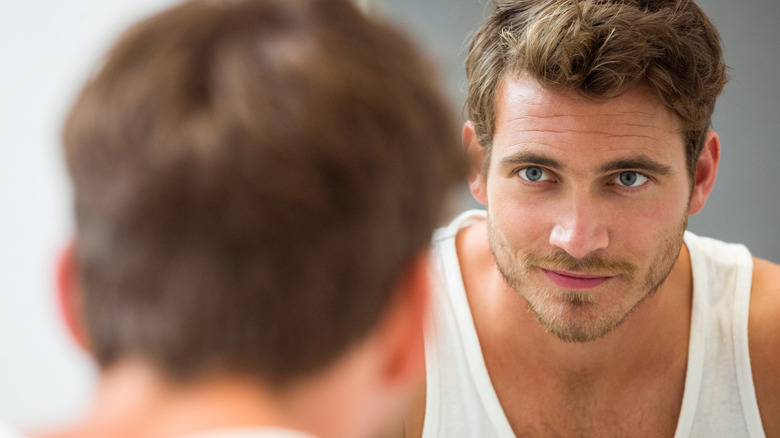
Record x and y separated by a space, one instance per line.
592 258
563 182
764 342
579 283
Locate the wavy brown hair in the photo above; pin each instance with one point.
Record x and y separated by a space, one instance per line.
599 48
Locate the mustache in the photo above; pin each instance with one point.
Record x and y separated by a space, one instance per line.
591 264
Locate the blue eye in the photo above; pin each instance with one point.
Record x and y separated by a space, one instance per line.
629 179
533 174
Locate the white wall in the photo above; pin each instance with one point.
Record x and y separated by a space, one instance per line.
47 47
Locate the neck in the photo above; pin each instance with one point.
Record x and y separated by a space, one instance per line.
133 401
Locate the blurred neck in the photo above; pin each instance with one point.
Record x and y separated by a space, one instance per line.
347 399
132 400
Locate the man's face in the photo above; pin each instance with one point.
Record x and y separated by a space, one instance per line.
587 203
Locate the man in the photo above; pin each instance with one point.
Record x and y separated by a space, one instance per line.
256 183
577 305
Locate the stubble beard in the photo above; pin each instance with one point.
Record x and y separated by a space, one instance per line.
574 316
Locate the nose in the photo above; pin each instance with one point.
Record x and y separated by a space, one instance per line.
580 228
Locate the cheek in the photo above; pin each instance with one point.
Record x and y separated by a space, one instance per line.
649 224
520 219
668 207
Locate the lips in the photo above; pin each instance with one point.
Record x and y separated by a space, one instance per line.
572 281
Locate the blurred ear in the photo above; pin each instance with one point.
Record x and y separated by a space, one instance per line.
475 154
69 295
706 172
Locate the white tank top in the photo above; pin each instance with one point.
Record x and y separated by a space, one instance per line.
719 398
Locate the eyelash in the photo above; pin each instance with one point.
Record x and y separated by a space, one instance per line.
630 189
547 173
552 178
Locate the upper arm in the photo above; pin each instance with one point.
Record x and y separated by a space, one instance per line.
764 341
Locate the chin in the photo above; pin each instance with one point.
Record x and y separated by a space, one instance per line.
577 316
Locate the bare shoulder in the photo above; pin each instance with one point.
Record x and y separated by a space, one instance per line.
474 250
764 340
765 302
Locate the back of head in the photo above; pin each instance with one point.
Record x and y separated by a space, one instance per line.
600 48
250 178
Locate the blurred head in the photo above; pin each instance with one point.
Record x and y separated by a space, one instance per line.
251 178
600 49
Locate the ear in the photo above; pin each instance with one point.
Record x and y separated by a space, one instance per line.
475 154
69 295
706 172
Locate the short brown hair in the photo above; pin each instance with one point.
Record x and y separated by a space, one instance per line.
600 48
250 179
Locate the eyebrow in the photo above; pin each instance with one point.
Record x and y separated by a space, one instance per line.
639 163
527 157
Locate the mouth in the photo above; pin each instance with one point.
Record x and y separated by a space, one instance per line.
575 281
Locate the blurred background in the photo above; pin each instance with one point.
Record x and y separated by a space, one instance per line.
47 49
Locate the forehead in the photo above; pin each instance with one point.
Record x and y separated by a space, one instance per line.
530 115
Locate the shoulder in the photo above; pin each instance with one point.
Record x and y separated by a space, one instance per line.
765 302
764 341
766 275
473 248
